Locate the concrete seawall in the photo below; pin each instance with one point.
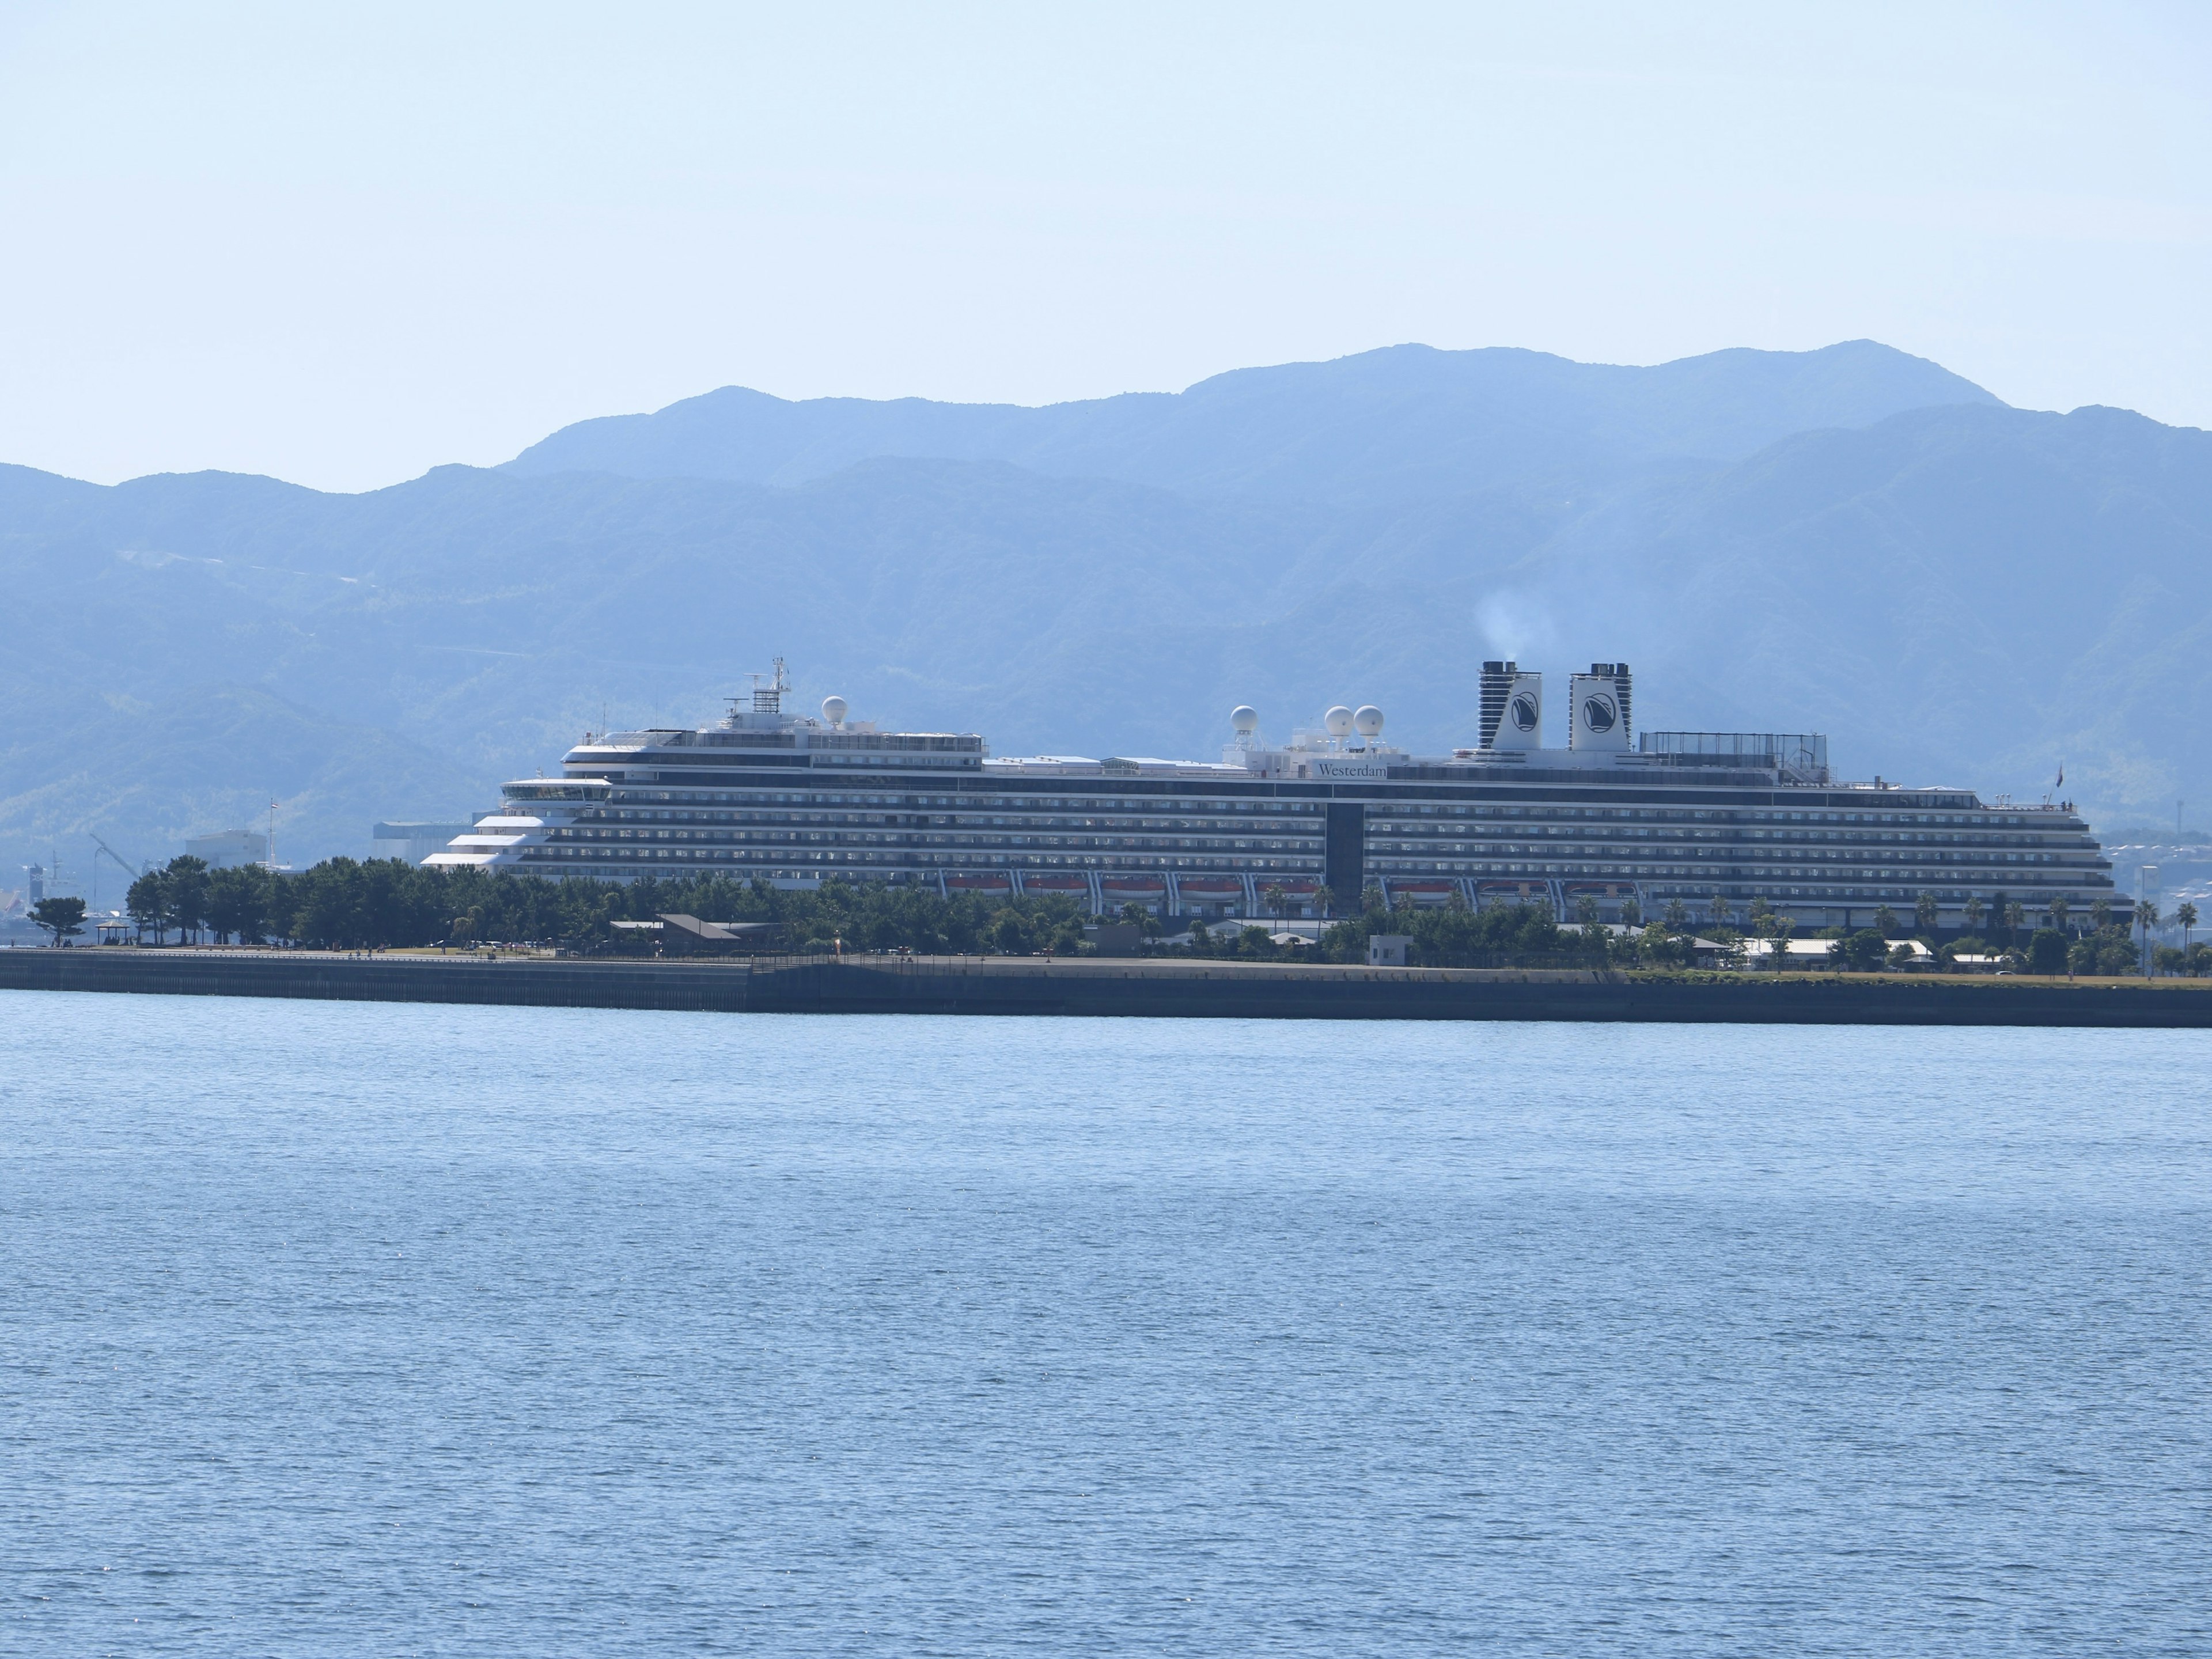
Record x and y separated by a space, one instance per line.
1171 988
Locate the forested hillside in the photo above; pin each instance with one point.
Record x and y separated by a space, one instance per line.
1952 590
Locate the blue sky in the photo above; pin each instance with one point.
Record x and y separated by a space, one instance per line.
342 245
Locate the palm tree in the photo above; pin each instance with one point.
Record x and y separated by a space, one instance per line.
1924 912
1273 894
2146 918
2058 908
2186 915
1974 914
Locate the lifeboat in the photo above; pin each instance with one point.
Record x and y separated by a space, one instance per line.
1424 892
1137 889
989 884
1073 885
1513 892
1599 890
1209 889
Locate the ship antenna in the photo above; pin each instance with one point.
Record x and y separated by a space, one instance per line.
769 699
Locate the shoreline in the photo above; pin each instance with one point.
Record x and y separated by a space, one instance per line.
1116 986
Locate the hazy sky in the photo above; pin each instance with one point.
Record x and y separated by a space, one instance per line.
343 246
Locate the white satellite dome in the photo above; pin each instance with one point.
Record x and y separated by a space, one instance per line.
1244 718
1369 720
1338 722
833 710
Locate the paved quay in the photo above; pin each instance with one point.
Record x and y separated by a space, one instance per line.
1107 986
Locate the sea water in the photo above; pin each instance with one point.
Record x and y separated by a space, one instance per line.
354 1329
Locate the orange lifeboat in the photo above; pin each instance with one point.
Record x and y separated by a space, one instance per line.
1209 889
1139 890
1078 886
1423 892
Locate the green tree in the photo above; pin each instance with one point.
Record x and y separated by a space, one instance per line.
2046 950
1925 914
1586 911
237 903
1324 902
1662 949
1632 912
1974 913
1677 918
1865 952
2016 918
1273 895
1719 911
1776 929
148 904
2146 918
2185 914
1885 922
2100 913
186 891
61 917
2059 910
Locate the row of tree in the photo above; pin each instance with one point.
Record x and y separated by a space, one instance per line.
388 903
343 903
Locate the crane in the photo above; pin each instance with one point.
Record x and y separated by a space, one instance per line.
133 871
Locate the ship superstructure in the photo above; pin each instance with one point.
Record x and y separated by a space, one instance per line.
1714 820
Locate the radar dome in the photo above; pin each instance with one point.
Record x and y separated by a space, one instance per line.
1338 720
1244 718
1369 720
833 710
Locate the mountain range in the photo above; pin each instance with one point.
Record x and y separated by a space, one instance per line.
1851 540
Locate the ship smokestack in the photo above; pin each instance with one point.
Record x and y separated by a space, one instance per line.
1598 712
1512 708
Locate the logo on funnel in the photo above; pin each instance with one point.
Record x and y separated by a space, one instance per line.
1598 713
1524 712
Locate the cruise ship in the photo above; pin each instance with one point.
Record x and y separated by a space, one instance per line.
1630 821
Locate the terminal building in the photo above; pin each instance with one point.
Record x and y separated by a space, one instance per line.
1632 821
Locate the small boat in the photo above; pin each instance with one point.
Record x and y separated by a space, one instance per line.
1075 885
1208 889
1423 892
1137 888
1512 892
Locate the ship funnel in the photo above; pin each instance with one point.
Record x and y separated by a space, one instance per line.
1599 709
1512 708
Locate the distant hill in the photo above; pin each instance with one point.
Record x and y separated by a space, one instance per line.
1406 423
1958 592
